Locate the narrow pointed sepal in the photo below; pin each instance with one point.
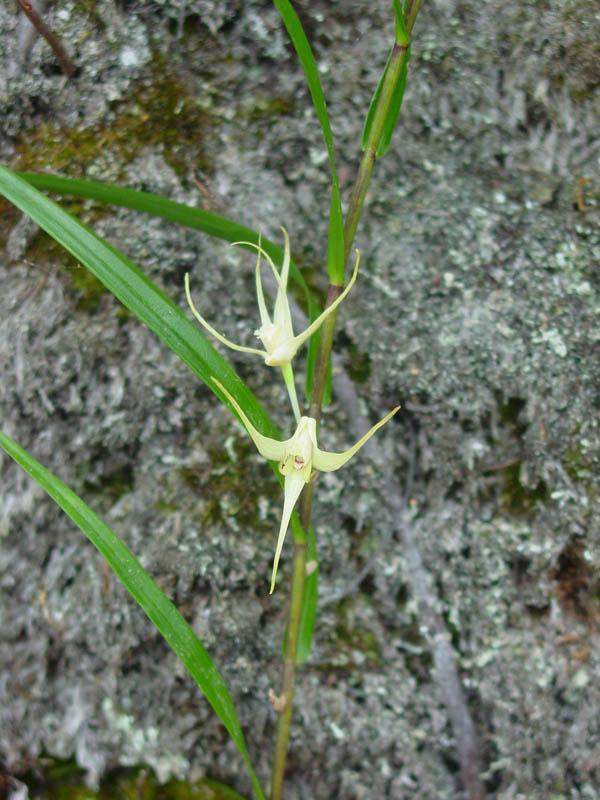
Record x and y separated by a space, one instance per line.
329 462
267 447
232 345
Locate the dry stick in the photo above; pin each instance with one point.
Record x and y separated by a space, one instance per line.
51 38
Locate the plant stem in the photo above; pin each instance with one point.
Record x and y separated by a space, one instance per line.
359 190
289 667
410 14
318 387
325 344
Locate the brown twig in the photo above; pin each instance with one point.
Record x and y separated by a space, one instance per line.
38 23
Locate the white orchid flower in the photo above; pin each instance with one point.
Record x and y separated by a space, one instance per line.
276 334
297 457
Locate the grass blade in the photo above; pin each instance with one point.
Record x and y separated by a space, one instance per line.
394 111
335 251
195 218
136 291
392 118
144 591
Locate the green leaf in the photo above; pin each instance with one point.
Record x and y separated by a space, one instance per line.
144 591
393 112
335 251
195 218
373 106
310 597
402 37
138 293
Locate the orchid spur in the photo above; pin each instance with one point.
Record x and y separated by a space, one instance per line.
277 334
297 457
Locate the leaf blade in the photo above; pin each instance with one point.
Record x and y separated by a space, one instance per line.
148 302
136 291
335 249
159 609
391 119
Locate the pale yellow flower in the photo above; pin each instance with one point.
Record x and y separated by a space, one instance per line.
297 457
276 334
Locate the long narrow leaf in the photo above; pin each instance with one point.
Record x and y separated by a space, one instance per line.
195 218
335 252
394 110
135 290
373 105
148 203
171 624
138 293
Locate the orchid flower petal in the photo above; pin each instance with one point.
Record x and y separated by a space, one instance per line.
281 311
297 457
267 447
276 334
265 318
328 462
210 328
294 483
262 252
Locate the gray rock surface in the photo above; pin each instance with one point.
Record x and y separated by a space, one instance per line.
476 307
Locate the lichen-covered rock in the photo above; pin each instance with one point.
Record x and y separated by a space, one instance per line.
476 307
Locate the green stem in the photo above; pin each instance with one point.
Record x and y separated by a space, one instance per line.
411 10
289 667
325 343
361 184
288 377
